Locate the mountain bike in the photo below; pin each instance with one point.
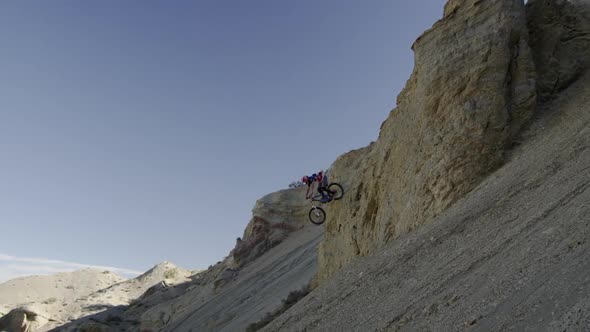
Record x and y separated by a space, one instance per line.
317 215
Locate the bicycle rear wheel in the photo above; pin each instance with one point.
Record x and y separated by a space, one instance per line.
317 216
337 190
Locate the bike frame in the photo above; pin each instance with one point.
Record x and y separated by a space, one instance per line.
314 199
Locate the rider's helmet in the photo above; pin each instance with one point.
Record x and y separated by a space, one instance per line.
305 179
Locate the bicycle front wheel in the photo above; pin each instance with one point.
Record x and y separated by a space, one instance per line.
337 190
317 216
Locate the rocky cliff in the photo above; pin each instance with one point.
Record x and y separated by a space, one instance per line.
478 72
274 216
512 255
479 249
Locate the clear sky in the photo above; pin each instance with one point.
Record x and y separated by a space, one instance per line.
133 132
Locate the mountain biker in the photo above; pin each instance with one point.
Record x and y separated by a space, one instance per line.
322 181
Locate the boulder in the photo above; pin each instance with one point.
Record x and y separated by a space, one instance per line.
22 320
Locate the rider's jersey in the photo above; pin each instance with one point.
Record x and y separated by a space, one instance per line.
311 179
320 178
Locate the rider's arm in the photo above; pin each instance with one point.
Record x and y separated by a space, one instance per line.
307 192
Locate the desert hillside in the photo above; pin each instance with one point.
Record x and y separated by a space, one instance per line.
41 303
62 287
275 257
471 211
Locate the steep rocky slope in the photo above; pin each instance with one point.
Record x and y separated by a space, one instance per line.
258 289
276 256
511 255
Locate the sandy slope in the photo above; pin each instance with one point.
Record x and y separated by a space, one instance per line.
64 297
119 294
200 305
258 289
512 255
61 287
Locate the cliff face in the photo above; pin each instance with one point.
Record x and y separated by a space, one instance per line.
472 89
512 255
560 39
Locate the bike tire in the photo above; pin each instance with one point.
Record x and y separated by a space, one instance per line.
317 216
337 188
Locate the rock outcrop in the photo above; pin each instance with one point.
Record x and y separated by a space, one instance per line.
22 320
284 206
471 91
274 216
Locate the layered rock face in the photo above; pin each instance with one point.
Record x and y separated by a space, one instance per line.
471 91
284 206
274 216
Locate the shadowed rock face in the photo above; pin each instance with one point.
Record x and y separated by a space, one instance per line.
21 320
560 39
471 91
264 235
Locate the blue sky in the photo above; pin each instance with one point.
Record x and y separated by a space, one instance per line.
134 132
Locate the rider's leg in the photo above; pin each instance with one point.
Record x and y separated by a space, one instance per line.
326 197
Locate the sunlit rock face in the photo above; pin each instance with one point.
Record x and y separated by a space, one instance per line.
471 91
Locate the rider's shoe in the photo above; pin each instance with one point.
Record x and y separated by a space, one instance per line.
325 199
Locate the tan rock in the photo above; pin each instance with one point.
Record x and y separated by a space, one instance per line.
472 89
274 216
284 206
